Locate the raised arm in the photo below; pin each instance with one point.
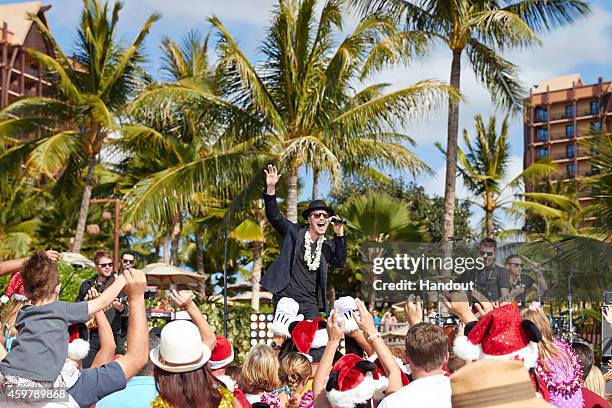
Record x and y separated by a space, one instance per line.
392 369
137 354
334 333
184 300
107 341
107 297
273 214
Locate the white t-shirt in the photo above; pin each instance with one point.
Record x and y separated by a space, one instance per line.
432 392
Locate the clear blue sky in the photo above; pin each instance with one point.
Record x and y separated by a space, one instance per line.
583 48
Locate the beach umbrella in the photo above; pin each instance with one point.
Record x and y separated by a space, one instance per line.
163 274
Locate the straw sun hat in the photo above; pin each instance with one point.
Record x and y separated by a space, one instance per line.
494 384
180 348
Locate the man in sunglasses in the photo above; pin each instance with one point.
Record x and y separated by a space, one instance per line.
300 271
104 278
492 280
520 282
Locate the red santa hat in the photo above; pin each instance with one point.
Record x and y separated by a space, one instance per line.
309 334
14 289
78 348
352 382
222 354
285 314
501 334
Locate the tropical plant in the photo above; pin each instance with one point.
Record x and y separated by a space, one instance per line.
483 29
377 217
64 134
299 106
484 167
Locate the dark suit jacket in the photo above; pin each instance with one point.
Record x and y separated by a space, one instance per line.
277 276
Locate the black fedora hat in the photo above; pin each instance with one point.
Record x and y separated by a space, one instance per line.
317 205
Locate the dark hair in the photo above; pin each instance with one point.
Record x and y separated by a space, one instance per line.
509 257
197 388
586 356
490 242
128 252
101 253
40 276
426 346
454 363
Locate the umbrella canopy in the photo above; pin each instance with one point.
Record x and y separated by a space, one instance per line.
74 258
264 297
163 274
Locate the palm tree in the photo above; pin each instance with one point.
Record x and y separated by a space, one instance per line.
299 107
483 29
72 127
377 217
484 166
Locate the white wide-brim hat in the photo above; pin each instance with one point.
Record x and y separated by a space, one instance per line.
180 349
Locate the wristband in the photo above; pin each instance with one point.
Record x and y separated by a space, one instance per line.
374 336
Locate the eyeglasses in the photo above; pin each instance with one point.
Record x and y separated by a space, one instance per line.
487 253
319 215
515 264
106 265
128 261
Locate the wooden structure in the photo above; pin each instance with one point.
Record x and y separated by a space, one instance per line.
20 74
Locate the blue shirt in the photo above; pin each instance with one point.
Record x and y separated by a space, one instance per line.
138 393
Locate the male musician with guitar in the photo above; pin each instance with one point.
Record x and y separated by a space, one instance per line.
520 282
104 278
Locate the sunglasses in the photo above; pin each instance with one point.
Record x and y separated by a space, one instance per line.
515 264
128 261
106 265
487 253
319 215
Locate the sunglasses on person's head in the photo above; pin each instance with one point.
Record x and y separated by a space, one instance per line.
319 215
487 253
105 265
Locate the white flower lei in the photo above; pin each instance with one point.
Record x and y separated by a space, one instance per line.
313 264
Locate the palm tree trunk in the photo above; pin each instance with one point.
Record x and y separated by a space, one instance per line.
166 246
257 257
84 210
451 152
176 233
256 276
292 181
200 264
488 216
331 295
315 184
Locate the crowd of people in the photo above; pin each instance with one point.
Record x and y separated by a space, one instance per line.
503 357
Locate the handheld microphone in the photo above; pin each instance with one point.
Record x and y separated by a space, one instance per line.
337 220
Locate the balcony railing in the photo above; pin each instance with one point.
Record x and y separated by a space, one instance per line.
561 116
560 136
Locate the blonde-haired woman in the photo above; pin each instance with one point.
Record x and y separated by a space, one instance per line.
259 373
558 368
595 382
295 370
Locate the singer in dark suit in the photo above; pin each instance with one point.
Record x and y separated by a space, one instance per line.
300 271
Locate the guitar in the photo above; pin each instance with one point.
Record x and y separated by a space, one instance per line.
92 324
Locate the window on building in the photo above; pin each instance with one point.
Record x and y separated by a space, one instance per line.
542 152
569 131
541 114
570 151
569 111
595 107
542 134
571 169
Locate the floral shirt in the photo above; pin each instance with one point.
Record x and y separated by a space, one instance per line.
272 399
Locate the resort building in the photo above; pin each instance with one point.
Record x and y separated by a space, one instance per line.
559 115
20 74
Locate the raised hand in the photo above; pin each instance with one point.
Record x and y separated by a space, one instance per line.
335 331
607 315
364 320
136 281
182 299
54 255
272 177
414 311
